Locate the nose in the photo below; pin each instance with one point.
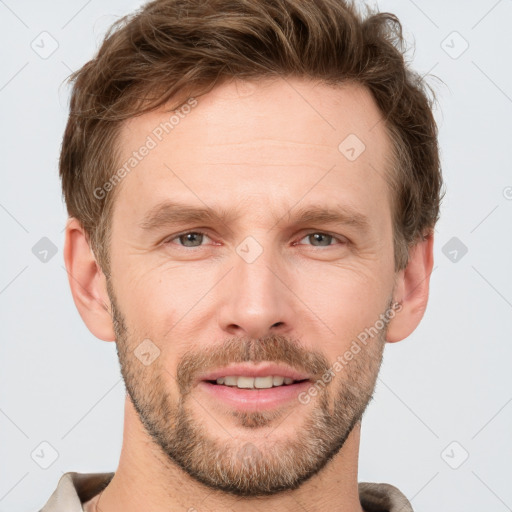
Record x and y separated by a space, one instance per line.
256 300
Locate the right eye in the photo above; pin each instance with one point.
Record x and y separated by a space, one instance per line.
188 237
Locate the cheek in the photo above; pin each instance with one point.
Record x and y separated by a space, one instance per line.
341 302
162 303
152 289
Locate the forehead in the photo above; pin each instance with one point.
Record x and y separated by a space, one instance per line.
266 143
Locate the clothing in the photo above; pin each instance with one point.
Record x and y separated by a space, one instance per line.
74 489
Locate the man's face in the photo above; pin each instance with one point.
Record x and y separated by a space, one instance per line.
259 286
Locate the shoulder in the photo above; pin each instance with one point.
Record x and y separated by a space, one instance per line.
382 497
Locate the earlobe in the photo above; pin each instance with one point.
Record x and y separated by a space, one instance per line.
412 289
87 282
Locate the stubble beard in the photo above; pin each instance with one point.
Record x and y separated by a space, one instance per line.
247 467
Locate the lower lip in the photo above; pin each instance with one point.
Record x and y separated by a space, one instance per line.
255 399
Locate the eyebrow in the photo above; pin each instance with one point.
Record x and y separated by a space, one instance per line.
169 213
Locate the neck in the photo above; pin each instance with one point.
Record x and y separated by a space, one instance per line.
146 480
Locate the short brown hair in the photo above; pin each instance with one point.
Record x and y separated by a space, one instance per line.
171 48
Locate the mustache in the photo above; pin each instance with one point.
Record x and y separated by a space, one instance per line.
272 348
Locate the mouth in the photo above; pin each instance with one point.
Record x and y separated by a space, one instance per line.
247 382
254 388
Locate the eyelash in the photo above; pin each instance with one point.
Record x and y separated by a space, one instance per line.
168 241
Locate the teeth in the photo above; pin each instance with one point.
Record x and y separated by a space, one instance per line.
243 382
277 381
263 382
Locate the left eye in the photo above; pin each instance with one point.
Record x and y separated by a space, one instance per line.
324 239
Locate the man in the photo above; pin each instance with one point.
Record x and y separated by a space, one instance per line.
252 189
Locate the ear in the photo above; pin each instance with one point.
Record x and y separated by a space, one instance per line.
411 290
88 283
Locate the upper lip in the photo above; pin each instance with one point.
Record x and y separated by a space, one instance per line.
250 370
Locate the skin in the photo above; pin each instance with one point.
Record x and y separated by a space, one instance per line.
265 148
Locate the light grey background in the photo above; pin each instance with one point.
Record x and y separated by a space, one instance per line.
443 394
